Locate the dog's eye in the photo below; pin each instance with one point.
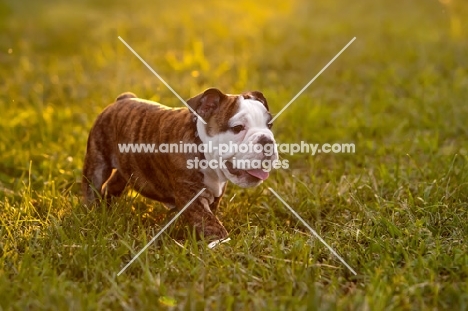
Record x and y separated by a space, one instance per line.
237 129
269 125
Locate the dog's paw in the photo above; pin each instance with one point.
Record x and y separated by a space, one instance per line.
213 232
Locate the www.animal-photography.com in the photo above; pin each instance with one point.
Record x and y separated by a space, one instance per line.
233 155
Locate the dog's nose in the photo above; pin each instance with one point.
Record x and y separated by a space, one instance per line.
263 140
266 141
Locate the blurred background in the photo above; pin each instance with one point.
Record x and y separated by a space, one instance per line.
400 88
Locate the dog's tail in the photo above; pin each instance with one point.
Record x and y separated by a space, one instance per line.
125 95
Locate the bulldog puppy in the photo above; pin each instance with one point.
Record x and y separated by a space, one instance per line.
168 177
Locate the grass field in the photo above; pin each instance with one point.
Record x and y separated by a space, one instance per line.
396 210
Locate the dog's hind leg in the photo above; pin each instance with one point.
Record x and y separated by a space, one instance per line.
114 186
96 170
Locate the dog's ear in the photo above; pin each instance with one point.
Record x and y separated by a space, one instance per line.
207 103
257 96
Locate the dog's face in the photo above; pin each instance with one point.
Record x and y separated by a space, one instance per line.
238 129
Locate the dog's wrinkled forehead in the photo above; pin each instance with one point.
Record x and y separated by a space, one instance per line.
220 110
252 111
258 96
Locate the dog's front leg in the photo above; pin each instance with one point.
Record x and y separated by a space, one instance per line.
200 216
217 200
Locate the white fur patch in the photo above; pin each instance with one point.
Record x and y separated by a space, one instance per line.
254 117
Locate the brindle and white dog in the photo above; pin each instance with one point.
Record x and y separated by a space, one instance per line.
238 119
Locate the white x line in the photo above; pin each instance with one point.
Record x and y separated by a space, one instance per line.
161 231
160 78
313 231
199 193
313 79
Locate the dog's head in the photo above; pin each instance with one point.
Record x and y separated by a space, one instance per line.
238 128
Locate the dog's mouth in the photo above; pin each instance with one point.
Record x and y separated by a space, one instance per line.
251 173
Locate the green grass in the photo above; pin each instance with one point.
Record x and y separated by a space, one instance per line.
396 210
